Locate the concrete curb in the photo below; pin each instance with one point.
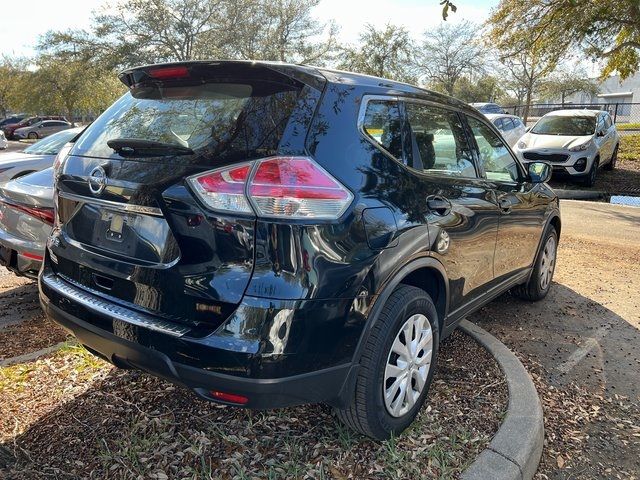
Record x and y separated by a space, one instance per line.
515 450
27 357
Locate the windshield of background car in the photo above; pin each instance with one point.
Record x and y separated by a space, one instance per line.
566 126
52 144
221 121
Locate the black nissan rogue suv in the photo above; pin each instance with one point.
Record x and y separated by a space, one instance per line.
270 234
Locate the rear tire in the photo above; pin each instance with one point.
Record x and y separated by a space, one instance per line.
539 283
614 159
391 387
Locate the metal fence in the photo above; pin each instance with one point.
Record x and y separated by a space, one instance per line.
625 115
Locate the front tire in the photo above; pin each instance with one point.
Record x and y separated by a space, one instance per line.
397 366
540 282
33 135
590 178
614 159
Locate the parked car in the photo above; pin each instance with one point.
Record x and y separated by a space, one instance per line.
12 120
26 219
42 129
271 234
488 107
9 129
36 157
510 126
575 142
3 141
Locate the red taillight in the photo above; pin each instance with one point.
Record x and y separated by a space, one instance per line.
296 187
44 214
32 256
291 187
229 397
223 189
169 73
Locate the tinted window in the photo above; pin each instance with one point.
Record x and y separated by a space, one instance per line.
496 159
517 123
508 124
438 142
565 125
383 123
218 121
499 124
607 122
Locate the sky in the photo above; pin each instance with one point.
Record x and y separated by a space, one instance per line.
19 32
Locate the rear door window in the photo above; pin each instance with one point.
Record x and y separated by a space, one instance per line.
218 121
439 144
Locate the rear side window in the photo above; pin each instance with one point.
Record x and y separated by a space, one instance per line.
218 121
499 123
508 124
439 144
383 124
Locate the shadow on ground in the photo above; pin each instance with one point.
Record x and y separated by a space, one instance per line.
583 356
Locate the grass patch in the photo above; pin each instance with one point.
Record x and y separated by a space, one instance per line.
628 126
629 149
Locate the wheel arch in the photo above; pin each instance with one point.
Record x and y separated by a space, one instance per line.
426 273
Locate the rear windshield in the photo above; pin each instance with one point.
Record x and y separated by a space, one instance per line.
565 126
215 120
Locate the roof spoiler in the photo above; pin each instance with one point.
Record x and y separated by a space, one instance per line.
200 71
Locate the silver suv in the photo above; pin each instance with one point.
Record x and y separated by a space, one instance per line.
575 142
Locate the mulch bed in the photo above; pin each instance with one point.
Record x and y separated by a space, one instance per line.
29 336
70 415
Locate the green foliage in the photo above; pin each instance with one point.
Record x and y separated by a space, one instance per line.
485 89
11 75
604 29
60 84
387 53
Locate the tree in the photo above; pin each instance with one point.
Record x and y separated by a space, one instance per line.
527 68
449 52
61 84
387 53
607 30
150 31
485 89
11 73
566 83
281 30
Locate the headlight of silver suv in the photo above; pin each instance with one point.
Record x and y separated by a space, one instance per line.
580 148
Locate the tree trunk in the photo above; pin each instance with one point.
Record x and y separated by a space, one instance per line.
525 114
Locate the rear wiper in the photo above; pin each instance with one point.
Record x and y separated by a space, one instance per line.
127 147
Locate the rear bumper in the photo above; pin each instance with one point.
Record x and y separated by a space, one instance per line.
151 351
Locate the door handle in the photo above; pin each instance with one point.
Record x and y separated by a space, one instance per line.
438 205
505 205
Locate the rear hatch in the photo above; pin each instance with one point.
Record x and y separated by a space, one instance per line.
129 225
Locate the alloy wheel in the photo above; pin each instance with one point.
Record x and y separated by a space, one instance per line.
548 262
408 365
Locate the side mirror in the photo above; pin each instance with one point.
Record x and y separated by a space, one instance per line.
539 172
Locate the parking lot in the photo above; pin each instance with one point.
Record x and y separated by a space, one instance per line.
580 345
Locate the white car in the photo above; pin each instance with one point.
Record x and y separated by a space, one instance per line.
3 141
36 157
575 142
510 126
